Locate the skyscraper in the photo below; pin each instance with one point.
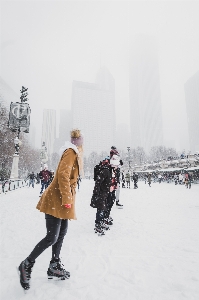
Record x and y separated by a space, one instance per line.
191 88
49 129
144 94
122 136
64 129
93 111
7 95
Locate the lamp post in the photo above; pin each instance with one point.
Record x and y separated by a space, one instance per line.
128 149
19 120
43 154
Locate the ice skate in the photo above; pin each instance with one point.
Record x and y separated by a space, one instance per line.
108 222
99 229
56 270
105 226
119 205
110 218
25 269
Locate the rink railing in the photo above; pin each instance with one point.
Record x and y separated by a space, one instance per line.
10 185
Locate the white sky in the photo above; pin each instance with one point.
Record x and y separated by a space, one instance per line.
45 45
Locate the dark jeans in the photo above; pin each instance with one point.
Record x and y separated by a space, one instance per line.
99 216
135 185
110 201
56 231
43 185
31 182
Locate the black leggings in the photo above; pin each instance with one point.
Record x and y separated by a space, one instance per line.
56 231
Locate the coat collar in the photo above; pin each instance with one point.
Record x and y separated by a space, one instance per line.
66 146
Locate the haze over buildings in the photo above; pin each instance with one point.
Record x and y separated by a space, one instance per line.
192 103
65 126
93 110
144 94
7 94
46 45
49 129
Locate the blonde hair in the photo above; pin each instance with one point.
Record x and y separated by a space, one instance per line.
75 133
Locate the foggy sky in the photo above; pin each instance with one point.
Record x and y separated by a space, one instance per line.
45 45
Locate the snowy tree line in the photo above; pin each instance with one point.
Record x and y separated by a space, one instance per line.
132 157
30 158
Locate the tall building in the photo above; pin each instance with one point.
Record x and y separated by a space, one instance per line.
144 94
7 95
32 135
49 129
122 137
93 111
65 127
191 88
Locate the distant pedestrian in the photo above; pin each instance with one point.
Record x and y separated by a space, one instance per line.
149 179
32 178
180 178
135 180
159 178
78 182
123 180
128 179
45 176
175 177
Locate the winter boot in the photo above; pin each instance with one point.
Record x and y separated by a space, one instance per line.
57 271
25 269
99 228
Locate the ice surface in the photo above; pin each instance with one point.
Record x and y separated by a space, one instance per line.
150 253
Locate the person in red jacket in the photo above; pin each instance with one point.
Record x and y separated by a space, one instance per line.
45 176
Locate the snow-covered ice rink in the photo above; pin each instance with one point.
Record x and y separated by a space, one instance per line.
150 253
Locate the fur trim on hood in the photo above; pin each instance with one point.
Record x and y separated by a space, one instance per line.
68 145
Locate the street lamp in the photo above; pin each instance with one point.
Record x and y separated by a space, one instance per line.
128 149
17 143
19 121
43 154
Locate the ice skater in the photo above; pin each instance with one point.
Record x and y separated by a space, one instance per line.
101 191
58 205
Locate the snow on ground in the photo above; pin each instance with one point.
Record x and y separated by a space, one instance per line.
150 253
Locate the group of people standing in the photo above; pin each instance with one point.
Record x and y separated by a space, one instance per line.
44 176
127 179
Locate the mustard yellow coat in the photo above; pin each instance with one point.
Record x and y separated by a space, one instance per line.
62 189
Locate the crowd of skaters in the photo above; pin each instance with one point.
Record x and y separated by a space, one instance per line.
57 202
45 177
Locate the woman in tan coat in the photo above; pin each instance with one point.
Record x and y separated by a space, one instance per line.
58 204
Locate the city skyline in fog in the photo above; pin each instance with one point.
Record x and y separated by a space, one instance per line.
47 45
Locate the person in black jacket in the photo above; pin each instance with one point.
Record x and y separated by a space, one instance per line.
135 180
32 179
97 169
100 193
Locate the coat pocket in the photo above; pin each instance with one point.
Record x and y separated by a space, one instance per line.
94 201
